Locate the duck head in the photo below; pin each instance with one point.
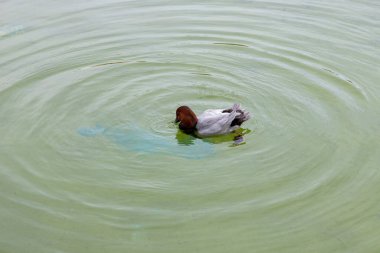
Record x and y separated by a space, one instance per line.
186 118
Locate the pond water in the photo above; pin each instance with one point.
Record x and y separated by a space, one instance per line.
91 161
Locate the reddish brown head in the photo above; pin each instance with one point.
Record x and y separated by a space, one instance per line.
187 118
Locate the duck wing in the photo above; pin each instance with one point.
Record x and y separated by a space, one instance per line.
214 122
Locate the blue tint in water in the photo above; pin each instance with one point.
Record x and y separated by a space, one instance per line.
91 131
8 30
140 140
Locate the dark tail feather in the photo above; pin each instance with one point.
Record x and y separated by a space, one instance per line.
240 118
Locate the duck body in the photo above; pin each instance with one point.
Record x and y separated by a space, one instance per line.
212 121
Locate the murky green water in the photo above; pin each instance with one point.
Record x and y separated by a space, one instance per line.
90 160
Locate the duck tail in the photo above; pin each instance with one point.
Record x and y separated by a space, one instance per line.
236 107
241 115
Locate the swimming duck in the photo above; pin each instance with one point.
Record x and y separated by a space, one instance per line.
212 121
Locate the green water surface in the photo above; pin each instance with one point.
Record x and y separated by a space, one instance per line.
91 161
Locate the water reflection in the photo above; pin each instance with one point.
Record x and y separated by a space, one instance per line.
137 139
185 139
236 138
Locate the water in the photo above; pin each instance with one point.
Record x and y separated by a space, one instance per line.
90 158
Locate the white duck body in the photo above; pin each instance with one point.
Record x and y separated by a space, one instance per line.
220 121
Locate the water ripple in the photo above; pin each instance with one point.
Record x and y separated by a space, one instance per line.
117 71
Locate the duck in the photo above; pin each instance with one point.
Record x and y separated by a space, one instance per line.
211 122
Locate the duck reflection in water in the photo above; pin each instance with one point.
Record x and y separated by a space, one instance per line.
236 138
